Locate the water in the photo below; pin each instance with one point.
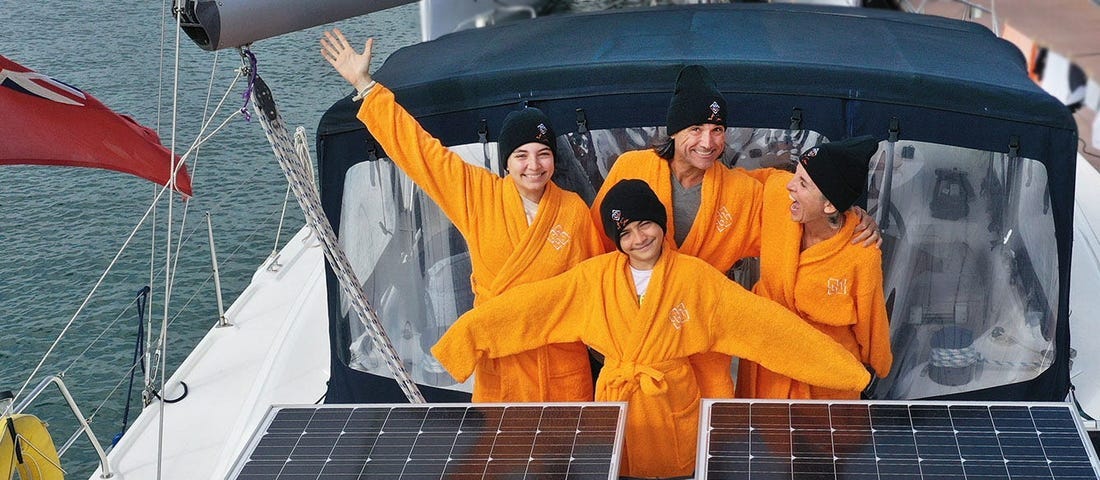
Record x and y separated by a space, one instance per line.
61 227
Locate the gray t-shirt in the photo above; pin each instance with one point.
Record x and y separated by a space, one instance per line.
685 205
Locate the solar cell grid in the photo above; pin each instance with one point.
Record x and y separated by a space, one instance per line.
771 439
450 441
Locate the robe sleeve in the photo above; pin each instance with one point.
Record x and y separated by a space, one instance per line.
439 172
761 174
760 330
523 318
593 240
872 328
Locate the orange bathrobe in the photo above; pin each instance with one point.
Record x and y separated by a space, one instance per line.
689 308
726 229
504 250
834 285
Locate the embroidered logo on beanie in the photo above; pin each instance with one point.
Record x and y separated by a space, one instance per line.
839 169
695 101
628 201
617 216
522 127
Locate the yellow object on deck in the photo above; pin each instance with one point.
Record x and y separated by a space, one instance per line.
26 448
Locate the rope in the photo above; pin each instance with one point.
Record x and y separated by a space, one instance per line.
253 74
139 351
955 357
309 200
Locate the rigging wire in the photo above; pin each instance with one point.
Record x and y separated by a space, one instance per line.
162 350
150 213
88 298
133 367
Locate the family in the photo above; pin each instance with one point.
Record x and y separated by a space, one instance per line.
635 282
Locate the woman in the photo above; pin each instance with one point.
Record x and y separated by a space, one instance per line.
519 229
808 265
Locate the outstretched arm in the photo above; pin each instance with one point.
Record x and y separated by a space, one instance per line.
757 329
352 65
523 318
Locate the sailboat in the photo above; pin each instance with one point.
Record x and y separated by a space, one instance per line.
973 185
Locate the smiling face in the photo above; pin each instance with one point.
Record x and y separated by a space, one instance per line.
699 146
531 166
808 203
642 242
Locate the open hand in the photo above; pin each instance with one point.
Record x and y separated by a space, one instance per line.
866 232
352 65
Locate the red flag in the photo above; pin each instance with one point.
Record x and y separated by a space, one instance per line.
47 122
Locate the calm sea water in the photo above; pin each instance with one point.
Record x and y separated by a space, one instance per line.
61 227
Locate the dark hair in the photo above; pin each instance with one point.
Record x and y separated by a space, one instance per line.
529 125
665 147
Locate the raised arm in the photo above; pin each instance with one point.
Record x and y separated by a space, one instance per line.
760 330
451 182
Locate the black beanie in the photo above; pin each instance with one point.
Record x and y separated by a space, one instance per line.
522 127
630 201
839 169
695 101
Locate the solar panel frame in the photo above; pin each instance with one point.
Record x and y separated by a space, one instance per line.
423 441
909 440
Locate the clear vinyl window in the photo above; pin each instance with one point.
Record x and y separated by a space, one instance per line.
970 265
969 255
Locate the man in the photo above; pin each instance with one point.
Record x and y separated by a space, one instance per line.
646 308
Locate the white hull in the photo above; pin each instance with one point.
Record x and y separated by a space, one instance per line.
1085 284
275 352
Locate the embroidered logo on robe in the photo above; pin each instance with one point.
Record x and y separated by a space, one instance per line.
558 237
679 315
724 220
837 286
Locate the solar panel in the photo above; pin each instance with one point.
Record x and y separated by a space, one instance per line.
436 441
807 439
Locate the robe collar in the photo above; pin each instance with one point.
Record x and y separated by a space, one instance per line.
527 241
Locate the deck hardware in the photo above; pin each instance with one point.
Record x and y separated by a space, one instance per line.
483 139
887 175
222 321
582 122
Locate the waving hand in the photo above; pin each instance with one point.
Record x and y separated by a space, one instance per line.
353 66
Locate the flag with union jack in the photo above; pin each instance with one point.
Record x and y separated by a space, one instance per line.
44 121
